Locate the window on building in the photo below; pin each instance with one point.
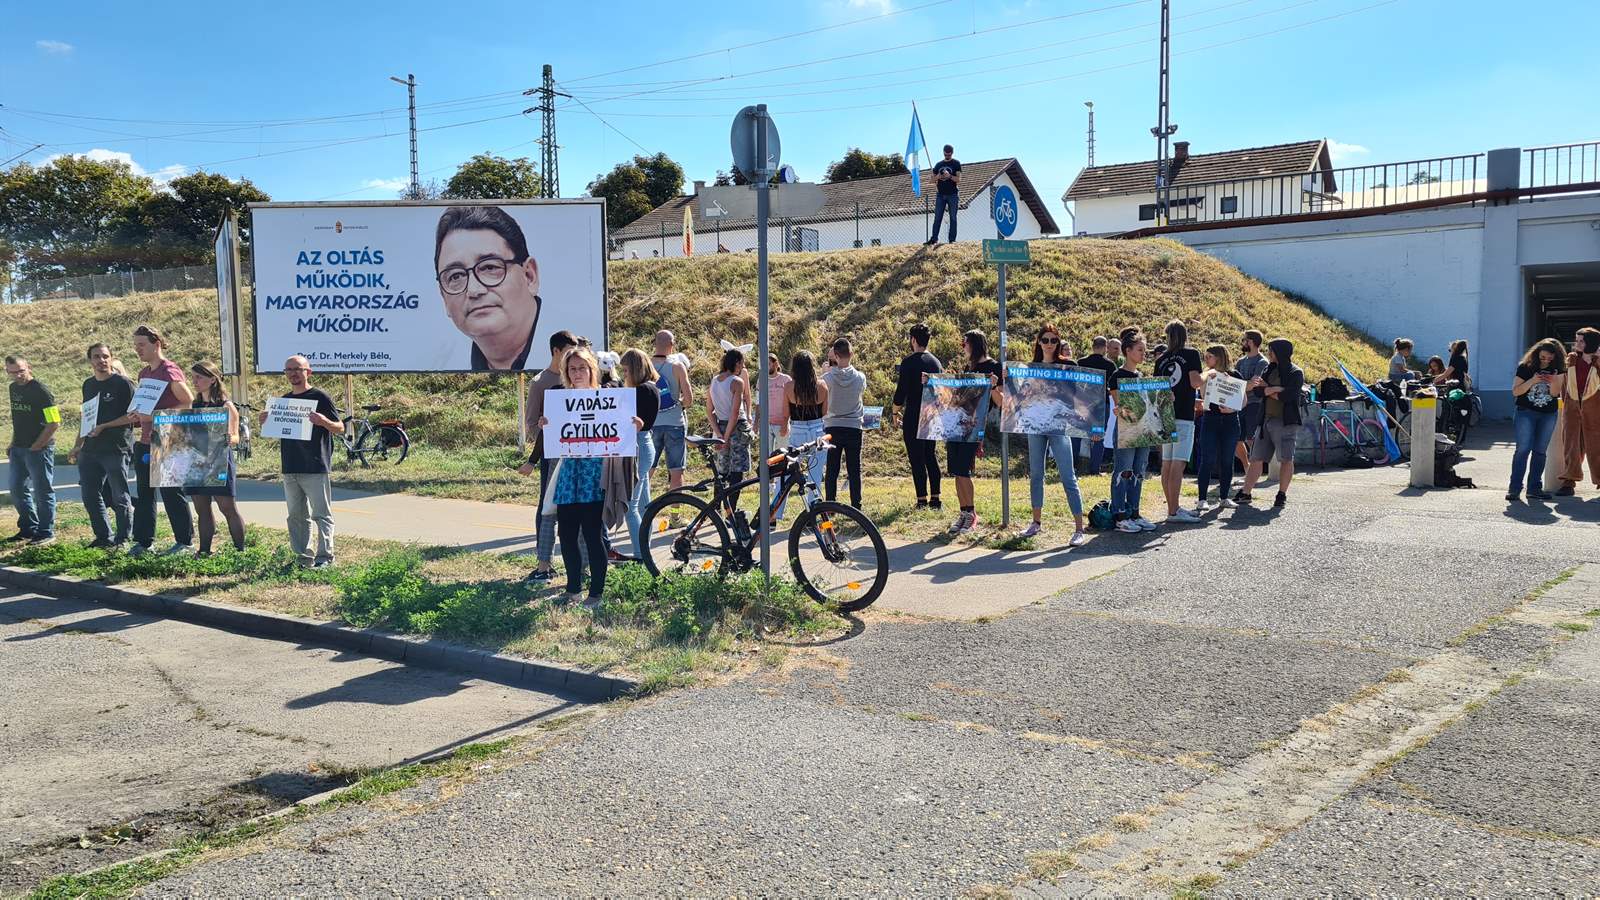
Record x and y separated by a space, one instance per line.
1147 212
1230 205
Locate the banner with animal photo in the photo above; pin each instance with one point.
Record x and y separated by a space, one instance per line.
1048 399
1145 413
954 409
587 423
190 449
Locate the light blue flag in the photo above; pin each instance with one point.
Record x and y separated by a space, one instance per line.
915 145
1390 446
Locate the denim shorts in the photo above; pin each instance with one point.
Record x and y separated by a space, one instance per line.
669 446
1181 449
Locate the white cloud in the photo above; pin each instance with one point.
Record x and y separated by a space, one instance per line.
54 48
99 154
387 184
1342 152
878 6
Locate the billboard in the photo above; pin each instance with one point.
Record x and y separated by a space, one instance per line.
447 286
227 251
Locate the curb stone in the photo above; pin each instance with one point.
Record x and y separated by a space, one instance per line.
430 653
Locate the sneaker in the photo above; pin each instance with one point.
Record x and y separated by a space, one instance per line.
1032 530
101 544
1202 508
1539 495
539 576
1280 500
930 242
1566 490
1228 504
178 550
615 557
1129 526
961 520
40 540
1513 497
970 523
138 550
936 503
202 554
1144 524
1078 539
922 504
1184 517
322 563
1241 497
20 536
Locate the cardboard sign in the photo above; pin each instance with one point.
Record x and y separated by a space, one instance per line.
147 395
91 416
288 419
1144 413
871 418
590 423
954 409
1049 399
1225 391
190 449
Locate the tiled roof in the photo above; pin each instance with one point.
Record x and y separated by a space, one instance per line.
1254 162
889 195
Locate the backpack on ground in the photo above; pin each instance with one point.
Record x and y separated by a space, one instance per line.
1446 454
1100 517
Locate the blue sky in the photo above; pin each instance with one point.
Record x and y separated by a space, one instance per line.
177 86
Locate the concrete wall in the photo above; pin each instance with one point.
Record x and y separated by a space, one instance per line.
1434 275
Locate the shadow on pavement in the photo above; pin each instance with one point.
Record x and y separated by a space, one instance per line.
388 687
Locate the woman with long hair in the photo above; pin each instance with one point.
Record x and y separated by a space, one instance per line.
209 393
1536 387
807 398
1456 368
728 402
1049 348
640 374
1219 434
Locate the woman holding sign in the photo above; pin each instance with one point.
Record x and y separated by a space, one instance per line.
1219 428
961 456
1048 348
210 394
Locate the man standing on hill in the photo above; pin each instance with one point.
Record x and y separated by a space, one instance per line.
544 526
908 396
102 454
947 172
307 484
152 350
34 420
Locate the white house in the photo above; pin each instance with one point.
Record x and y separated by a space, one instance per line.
861 213
1283 179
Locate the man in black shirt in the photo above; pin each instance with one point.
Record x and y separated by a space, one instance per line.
947 173
307 486
1181 365
1097 360
103 455
908 394
34 420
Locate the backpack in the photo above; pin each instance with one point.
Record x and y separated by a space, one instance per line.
1333 389
1446 454
1100 517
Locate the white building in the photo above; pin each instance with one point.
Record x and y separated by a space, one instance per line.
862 213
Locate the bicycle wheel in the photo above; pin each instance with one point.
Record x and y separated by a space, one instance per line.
366 446
1369 441
838 556
683 534
393 437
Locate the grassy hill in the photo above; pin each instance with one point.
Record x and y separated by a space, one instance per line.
465 425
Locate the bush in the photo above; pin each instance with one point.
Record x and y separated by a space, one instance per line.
80 561
686 607
391 592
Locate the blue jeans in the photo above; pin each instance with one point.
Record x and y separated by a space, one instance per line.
1127 480
33 490
1059 446
641 492
1533 438
805 433
1219 436
103 475
942 202
1097 453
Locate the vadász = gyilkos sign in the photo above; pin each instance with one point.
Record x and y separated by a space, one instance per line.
586 423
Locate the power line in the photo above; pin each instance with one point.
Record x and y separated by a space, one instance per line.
609 125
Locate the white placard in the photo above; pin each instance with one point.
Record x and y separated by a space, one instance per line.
288 419
362 288
91 416
147 395
587 423
1225 390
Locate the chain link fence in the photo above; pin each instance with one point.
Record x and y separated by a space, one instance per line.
114 284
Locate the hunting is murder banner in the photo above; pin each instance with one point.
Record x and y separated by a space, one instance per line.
190 449
1144 413
1047 399
954 409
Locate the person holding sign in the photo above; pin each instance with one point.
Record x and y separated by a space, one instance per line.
579 493
961 456
34 421
1279 387
908 396
307 464
105 443
1127 463
1180 365
1219 427
210 394
1050 349
162 378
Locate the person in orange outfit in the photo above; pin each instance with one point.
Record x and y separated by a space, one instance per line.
1580 412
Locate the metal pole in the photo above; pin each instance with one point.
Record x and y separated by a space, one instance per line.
411 106
763 209
1005 443
1164 127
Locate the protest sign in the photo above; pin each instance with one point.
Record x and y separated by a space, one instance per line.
1047 399
147 395
584 423
288 419
190 449
871 418
954 409
1144 413
91 416
1225 390
447 286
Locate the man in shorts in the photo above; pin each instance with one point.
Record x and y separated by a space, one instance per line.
1250 363
677 395
1180 365
1279 387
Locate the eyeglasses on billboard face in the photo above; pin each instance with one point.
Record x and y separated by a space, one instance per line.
490 272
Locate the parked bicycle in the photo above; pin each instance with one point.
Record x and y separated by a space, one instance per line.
1354 425
365 440
241 450
836 553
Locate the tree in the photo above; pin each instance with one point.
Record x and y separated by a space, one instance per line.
489 177
858 163
1424 177
632 189
66 217
177 226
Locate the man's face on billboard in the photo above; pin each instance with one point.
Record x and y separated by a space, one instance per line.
496 294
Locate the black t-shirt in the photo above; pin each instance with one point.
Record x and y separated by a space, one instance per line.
953 166
116 394
648 405
32 408
990 367
1121 375
1458 362
908 386
1538 398
1175 366
314 456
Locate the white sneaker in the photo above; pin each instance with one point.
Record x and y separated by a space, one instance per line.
1078 539
969 523
1129 526
1033 529
1184 517
1229 504
1145 524
1202 508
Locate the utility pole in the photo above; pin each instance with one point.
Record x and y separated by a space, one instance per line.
549 163
411 108
1090 104
1164 128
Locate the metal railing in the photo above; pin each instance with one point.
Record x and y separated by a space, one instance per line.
1563 164
114 284
1321 191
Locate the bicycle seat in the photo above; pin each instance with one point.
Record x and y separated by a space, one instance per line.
372 408
695 440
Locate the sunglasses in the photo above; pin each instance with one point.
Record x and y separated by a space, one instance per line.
1049 340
